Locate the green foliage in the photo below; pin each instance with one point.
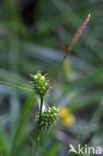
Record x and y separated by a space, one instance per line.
54 150
16 86
21 126
26 50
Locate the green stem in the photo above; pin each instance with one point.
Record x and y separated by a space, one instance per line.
38 135
73 42
37 143
16 86
41 107
58 68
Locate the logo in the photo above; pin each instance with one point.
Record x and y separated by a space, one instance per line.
85 149
72 149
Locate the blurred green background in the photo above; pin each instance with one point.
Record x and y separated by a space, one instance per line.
33 37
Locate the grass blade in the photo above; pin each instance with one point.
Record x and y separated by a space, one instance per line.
22 121
16 86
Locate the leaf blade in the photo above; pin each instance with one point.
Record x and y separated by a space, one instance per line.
17 86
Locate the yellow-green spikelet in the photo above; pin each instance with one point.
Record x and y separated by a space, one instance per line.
40 84
49 119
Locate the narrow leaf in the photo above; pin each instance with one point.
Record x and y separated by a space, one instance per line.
22 121
16 86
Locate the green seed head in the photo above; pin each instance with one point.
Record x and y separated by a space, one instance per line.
40 84
49 119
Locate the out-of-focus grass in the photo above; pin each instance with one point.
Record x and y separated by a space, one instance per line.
26 50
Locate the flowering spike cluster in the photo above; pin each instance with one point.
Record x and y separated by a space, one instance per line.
78 34
49 119
40 83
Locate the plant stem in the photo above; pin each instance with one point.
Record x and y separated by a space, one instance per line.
37 143
70 47
38 135
41 107
58 68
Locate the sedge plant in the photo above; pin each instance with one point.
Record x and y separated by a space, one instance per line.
46 120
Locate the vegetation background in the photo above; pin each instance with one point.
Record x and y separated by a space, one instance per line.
33 37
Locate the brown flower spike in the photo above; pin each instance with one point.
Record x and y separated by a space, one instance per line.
78 33
70 47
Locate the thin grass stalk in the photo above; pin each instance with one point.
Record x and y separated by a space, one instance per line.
70 47
39 133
